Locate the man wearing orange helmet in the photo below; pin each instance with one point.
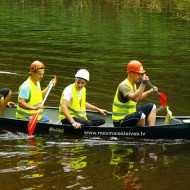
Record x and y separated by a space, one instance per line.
31 96
127 95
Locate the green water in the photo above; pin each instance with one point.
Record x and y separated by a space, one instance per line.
101 36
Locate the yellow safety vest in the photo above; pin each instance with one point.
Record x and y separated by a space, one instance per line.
35 99
77 108
120 109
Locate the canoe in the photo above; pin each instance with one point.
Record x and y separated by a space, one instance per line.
179 128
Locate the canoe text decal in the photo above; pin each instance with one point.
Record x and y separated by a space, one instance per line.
56 130
109 133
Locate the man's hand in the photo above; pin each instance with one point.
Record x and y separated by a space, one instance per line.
53 81
77 125
145 79
11 104
39 106
102 111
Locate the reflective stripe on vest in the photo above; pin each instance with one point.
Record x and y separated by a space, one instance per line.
77 108
120 109
35 99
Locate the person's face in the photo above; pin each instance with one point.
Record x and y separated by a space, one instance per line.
38 75
137 76
80 84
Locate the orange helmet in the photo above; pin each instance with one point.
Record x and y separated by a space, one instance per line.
36 65
135 66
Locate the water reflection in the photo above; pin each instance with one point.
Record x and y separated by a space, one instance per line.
134 165
35 159
22 157
72 157
71 161
126 161
56 162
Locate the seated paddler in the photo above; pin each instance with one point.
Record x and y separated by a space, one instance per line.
31 96
5 96
73 105
124 109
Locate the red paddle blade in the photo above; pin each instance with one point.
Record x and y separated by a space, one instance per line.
163 99
32 123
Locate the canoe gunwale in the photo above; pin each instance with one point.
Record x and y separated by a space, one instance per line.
171 131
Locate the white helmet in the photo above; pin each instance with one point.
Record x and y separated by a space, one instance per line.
83 74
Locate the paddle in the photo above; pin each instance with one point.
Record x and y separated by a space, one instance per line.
161 95
34 119
163 99
9 73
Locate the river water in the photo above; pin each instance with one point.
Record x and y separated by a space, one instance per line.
102 37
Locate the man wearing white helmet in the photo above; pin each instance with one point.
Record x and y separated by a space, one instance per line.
73 105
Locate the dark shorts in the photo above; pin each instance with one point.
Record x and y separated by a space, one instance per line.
4 92
132 119
92 121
